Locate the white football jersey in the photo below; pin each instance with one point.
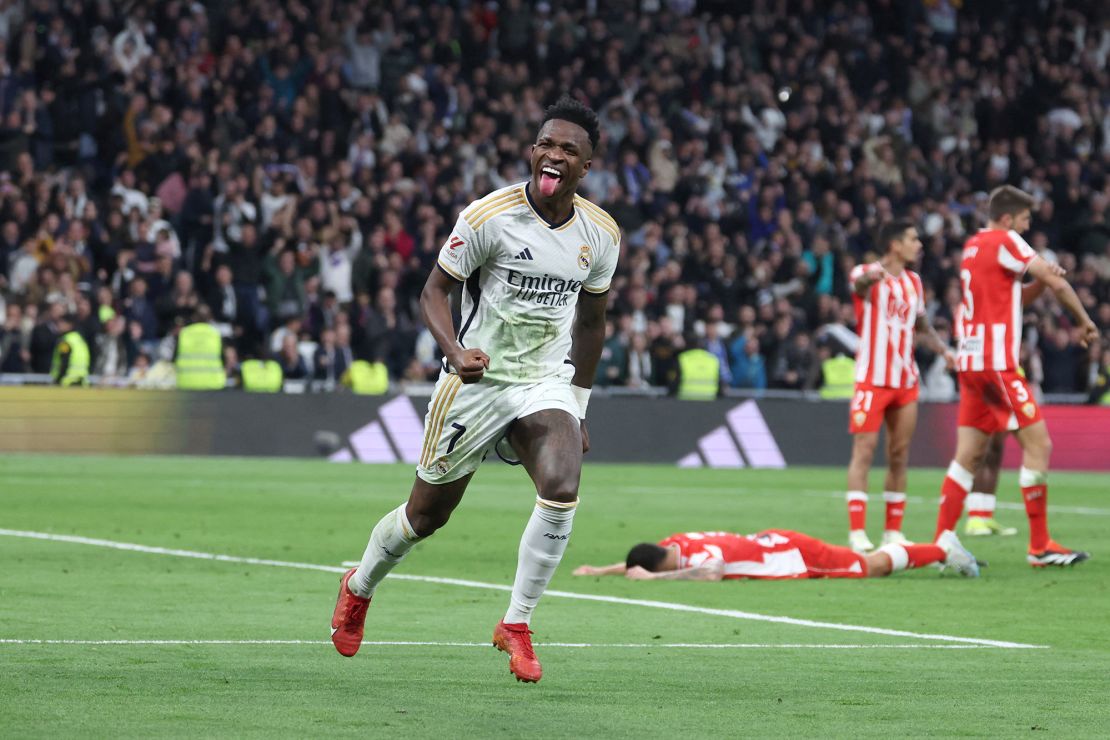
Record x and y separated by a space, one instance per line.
522 276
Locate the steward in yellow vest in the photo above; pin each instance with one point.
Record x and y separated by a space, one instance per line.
839 377
699 375
367 378
71 356
199 360
261 376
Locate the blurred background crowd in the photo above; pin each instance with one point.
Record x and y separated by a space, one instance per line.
295 166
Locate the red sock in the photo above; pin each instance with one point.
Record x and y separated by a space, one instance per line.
922 555
1034 491
895 510
1036 506
857 510
952 495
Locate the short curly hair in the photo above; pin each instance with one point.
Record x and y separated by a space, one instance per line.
569 109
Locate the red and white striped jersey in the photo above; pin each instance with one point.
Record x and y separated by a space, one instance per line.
988 321
885 320
763 555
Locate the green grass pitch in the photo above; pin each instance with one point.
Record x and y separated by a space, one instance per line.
769 679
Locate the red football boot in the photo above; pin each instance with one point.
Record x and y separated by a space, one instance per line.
516 640
348 618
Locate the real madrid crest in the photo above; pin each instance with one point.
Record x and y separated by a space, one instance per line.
584 257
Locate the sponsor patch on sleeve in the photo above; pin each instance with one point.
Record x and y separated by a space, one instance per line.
455 248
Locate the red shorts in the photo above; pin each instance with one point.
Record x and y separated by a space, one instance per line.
823 560
996 401
870 404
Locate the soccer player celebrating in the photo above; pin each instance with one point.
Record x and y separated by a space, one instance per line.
776 554
994 396
536 261
890 307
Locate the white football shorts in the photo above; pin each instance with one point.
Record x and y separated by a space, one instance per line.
465 421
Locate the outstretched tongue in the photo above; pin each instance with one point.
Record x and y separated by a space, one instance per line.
548 184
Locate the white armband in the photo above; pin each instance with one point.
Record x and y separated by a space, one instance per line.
582 396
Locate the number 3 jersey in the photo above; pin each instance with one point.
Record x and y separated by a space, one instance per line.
522 278
988 321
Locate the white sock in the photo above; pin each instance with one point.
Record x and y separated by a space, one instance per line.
541 548
979 501
390 541
899 558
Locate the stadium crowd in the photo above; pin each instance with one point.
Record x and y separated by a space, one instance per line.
295 167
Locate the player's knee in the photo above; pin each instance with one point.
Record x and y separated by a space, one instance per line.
899 457
863 451
563 490
426 523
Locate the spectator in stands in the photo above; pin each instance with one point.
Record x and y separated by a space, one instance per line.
748 156
293 366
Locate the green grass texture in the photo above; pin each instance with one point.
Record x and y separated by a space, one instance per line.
611 668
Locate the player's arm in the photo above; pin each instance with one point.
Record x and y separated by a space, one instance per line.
1032 291
588 336
1045 272
929 336
435 309
714 570
616 569
865 280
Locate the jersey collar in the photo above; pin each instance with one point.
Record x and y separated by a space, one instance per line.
535 210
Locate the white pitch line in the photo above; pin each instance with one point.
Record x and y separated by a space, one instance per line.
668 605
407 643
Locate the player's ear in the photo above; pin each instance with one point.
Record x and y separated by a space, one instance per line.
586 166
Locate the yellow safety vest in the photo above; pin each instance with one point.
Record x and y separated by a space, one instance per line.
261 376
840 377
105 313
199 363
367 378
699 375
77 372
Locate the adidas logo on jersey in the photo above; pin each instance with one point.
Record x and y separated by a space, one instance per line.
525 255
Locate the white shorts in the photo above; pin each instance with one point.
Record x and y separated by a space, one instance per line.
465 421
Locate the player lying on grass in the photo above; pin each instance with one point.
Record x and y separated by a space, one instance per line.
776 554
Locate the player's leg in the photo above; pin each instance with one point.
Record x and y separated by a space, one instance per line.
428 508
971 443
461 425
981 500
982 412
900 424
549 444
948 551
1036 449
863 453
